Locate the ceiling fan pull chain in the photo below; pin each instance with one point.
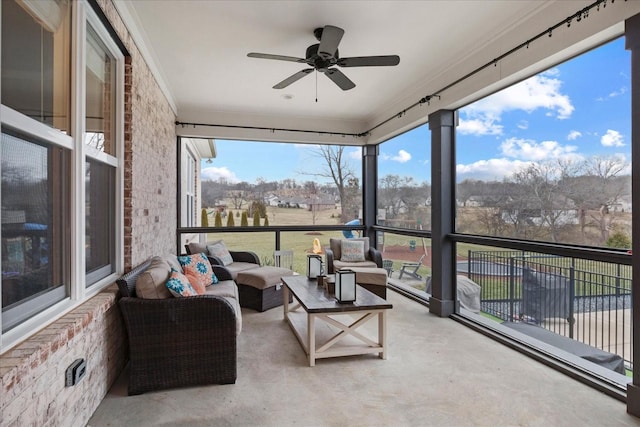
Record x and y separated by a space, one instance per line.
316 73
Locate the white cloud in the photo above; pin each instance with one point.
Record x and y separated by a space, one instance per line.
614 94
527 149
486 126
612 138
516 155
573 135
355 154
540 91
213 173
491 169
402 157
523 125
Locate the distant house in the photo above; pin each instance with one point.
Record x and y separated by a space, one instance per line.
623 204
272 200
320 202
538 217
475 201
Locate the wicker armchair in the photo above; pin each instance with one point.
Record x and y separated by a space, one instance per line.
333 262
178 342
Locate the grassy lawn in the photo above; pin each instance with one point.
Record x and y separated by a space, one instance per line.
263 243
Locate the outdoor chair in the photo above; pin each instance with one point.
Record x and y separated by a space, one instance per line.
411 268
387 264
337 257
283 259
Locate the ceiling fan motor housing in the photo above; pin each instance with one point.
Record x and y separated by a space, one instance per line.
317 61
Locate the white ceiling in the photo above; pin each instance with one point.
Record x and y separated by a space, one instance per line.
198 50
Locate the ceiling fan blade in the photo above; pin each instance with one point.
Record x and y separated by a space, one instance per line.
340 79
330 40
276 57
369 61
292 79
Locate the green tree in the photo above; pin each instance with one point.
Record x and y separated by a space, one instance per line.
619 240
244 221
258 206
218 219
266 220
204 218
230 221
256 218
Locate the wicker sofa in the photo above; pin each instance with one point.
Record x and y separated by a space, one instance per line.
177 342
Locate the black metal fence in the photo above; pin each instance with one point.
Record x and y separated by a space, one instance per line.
589 301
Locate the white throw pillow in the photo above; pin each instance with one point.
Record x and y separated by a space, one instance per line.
352 251
219 250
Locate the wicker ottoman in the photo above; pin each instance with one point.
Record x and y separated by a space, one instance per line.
372 279
261 288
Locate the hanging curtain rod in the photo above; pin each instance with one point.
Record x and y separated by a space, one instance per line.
272 130
578 16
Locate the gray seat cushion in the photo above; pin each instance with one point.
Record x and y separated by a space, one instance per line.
236 267
263 277
337 264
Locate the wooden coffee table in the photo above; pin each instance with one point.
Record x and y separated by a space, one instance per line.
326 328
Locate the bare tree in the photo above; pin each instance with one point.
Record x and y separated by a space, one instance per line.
607 190
237 198
402 195
311 194
389 195
336 168
466 189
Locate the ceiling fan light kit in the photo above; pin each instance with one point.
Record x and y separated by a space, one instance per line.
324 55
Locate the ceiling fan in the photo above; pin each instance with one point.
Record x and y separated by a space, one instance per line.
324 55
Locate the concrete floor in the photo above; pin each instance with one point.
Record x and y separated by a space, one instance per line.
438 373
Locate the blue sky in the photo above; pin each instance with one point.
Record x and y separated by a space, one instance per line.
575 110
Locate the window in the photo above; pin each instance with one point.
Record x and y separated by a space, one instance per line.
35 200
101 163
404 174
60 166
36 61
100 220
548 159
190 190
286 184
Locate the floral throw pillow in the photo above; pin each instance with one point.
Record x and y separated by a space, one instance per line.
196 284
198 268
352 250
219 250
179 285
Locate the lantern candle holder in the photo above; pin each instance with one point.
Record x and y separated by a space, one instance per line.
345 286
314 266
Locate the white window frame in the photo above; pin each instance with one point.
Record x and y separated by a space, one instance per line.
190 190
82 13
88 152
